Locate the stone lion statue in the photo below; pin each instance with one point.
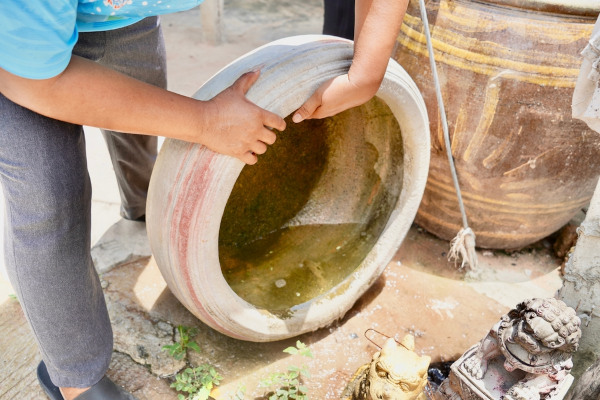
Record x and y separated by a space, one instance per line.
538 337
394 373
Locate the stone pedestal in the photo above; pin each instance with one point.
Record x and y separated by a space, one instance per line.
581 286
460 385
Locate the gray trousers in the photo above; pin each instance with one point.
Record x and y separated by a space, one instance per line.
44 177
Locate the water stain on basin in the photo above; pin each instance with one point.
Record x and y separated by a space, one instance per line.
306 215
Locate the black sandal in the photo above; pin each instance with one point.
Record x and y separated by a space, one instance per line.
52 391
103 390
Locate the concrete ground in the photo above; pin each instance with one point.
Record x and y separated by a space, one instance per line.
420 292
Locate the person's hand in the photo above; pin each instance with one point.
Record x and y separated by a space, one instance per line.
334 96
238 127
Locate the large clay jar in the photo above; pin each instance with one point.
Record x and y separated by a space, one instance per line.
286 246
507 70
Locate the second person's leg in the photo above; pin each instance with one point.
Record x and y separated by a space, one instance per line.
137 51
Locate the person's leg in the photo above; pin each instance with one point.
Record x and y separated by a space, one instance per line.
339 18
43 172
137 51
44 178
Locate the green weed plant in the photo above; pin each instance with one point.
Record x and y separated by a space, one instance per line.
178 350
196 382
289 385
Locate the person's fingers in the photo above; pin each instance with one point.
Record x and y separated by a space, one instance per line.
267 136
245 82
258 147
249 158
322 112
308 108
273 120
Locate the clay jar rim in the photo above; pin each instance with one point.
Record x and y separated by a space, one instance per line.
581 8
184 236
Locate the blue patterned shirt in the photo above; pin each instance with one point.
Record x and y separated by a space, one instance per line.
38 36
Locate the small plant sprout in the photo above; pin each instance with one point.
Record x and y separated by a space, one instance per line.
178 349
196 382
289 384
299 349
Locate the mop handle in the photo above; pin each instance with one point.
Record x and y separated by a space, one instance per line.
438 92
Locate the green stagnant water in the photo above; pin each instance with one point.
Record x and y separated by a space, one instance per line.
305 216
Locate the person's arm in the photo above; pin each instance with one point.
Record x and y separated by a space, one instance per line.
87 93
376 29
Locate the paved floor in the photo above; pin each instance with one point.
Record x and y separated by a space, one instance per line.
446 312
419 293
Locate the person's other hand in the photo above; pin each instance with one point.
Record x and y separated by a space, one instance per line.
238 127
334 96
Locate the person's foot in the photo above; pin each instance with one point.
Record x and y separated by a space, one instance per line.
71 393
